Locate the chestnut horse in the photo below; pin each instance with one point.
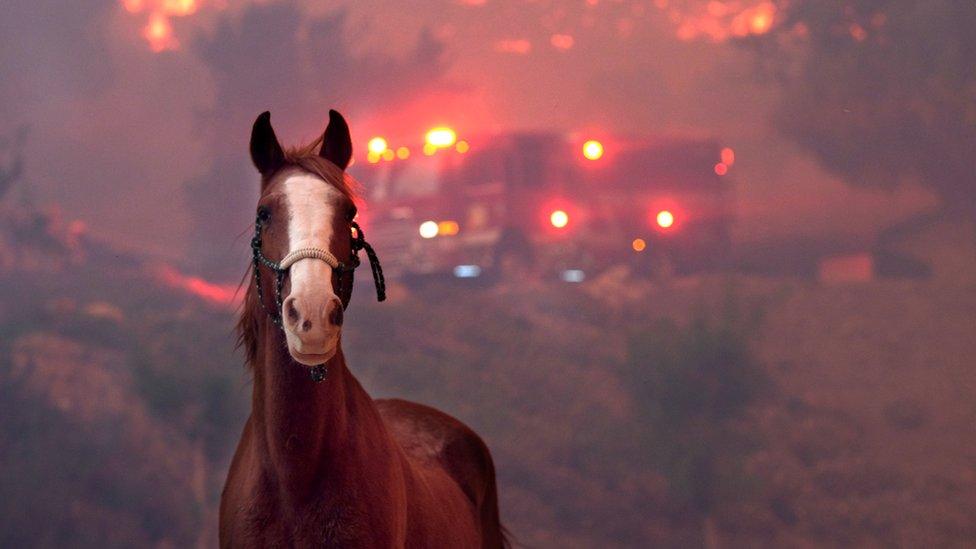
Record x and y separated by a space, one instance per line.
320 463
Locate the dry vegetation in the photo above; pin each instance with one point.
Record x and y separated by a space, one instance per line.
120 417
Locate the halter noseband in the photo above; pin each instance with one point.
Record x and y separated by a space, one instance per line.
342 270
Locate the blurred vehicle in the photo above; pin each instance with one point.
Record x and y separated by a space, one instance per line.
549 205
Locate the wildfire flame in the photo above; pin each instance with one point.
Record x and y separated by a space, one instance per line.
518 46
223 295
158 30
719 21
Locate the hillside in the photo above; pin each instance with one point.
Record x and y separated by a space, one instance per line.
123 399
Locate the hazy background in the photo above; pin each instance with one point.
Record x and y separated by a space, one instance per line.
761 406
135 131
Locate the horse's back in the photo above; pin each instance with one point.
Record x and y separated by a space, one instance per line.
432 438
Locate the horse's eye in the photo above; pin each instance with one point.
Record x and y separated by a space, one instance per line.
264 214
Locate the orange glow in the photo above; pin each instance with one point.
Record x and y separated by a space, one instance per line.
158 30
372 157
441 137
755 20
403 153
518 47
593 149
388 155
717 9
179 7
721 168
728 156
448 228
559 219
762 18
462 147
562 41
639 245
429 149
376 145
719 20
216 294
665 219
159 33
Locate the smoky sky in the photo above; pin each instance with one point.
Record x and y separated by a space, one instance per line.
50 47
149 149
274 58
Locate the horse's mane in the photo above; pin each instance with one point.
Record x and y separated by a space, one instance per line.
306 158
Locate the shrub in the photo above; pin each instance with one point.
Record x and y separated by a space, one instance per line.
692 384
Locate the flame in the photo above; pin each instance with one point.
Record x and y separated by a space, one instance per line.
159 33
516 46
755 20
158 30
180 7
225 295
562 41
720 20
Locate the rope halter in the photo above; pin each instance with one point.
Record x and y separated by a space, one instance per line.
344 272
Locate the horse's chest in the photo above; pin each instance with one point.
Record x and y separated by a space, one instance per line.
331 524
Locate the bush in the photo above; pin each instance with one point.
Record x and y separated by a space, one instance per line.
691 385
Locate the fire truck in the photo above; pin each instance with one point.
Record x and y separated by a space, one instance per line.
547 205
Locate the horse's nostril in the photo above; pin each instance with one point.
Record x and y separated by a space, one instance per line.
307 325
336 316
292 311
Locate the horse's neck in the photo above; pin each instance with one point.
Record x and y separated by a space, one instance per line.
307 432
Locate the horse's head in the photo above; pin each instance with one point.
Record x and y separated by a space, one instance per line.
304 237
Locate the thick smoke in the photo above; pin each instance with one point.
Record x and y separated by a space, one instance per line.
275 58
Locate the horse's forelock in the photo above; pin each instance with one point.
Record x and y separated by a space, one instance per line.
306 158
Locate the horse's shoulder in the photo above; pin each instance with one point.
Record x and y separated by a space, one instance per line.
432 437
421 427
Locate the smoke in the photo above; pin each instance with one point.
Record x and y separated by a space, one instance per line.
147 145
274 57
50 48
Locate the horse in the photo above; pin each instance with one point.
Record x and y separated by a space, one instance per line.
319 462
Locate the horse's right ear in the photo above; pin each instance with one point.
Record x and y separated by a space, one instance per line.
266 152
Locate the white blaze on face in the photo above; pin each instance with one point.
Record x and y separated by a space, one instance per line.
310 202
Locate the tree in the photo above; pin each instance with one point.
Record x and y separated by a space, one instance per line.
880 91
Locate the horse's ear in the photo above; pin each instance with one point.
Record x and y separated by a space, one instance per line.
337 143
266 152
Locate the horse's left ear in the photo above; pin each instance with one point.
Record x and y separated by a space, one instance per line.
337 143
